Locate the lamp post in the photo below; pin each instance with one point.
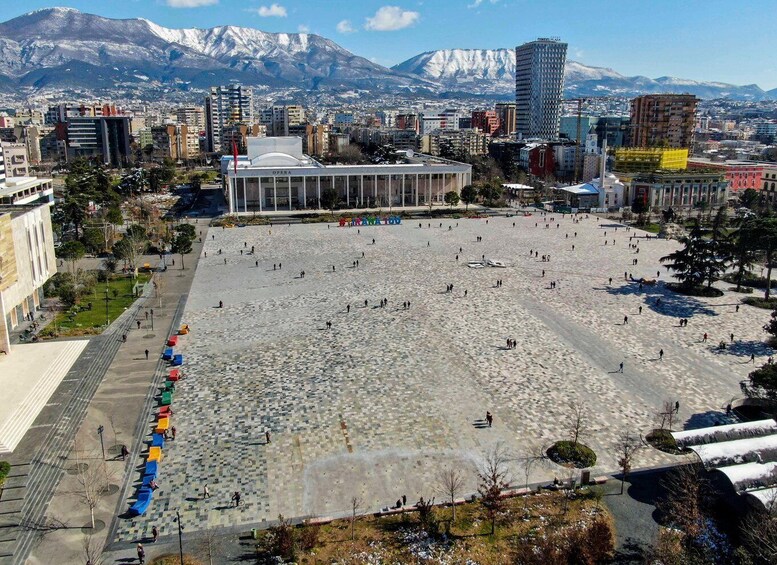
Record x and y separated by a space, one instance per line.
180 535
152 319
100 430
107 318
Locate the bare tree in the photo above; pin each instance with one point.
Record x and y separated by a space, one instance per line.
93 482
759 533
208 545
93 550
686 491
529 462
667 414
493 478
356 504
578 420
451 484
628 446
160 283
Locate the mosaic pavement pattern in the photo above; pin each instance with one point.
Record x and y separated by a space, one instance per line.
379 404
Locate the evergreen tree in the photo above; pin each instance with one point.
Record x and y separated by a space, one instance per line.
700 260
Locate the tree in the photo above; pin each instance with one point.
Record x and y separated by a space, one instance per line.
491 191
93 550
687 493
577 422
700 260
741 248
469 194
763 382
771 326
749 198
492 480
109 264
114 216
451 484
188 230
72 251
628 446
356 504
93 240
762 232
452 198
759 534
93 481
182 245
329 199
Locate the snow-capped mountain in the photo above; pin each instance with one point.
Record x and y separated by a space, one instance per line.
64 47
58 48
492 71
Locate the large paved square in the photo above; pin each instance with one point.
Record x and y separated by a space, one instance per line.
377 405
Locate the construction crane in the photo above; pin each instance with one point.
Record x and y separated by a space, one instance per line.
579 132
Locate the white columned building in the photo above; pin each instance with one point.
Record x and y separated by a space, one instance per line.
275 176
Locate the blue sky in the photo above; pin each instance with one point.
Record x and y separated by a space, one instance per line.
728 41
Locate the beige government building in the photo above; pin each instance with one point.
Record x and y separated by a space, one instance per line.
276 176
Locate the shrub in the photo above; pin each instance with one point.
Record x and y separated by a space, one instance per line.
663 441
758 302
763 382
308 536
5 468
576 454
710 292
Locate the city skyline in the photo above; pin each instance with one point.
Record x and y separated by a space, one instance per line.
645 40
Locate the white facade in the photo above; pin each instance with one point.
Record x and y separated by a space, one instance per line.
539 82
27 261
277 176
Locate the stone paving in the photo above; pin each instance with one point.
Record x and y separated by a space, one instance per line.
379 404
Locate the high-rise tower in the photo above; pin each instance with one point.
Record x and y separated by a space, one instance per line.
539 82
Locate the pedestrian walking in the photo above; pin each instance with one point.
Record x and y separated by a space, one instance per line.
124 338
620 367
221 304
154 533
365 303
752 358
146 354
267 437
141 554
138 322
147 315
732 337
489 419
205 492
236 498
625 320
124 452
348 309
704 339
404 500
737 308
465 294
172 430
661 355
640 309
677 407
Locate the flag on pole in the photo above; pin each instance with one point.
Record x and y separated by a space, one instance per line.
234 155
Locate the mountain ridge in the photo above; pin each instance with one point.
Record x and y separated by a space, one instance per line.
56 48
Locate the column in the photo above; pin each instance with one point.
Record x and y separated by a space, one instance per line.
304 192
389 198
375 189
318 192
261 195
275 193
403 191
361 191
245 197
290 193
416 189
430 189
348 191
231 182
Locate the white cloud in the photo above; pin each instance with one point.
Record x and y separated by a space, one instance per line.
190 3
477 3
345 27
272 11
391 18
302 28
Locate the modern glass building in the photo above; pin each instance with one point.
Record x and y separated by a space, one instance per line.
275 176
539 84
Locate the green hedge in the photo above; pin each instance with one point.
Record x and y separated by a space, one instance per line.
5 468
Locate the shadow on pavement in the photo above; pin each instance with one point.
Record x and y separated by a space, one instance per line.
672 304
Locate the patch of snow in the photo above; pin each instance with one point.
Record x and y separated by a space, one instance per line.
716 434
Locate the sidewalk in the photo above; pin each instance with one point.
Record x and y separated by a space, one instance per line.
120 405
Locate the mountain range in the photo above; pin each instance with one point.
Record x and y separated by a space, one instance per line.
63 48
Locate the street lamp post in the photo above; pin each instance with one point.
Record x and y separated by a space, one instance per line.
152 319
100 430
107 317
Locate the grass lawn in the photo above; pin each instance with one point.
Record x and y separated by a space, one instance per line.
401 539
651 228
92 322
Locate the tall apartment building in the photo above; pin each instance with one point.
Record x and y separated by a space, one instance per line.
16 162
663 120
226 106
505 111
485 120
61 113
191 116
277 119
175 141
539 82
